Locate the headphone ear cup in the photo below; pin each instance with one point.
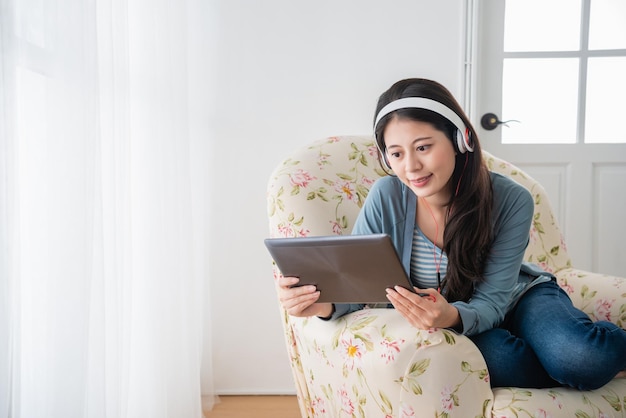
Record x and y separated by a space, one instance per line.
464 141
385 160
468 140
460 142
383 156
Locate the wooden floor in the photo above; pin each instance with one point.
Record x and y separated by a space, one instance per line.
255 407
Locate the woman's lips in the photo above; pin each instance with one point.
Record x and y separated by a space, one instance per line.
420 181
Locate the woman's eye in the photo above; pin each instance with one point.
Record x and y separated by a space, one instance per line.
395 154
423 147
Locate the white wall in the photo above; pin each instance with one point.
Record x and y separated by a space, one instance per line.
288 72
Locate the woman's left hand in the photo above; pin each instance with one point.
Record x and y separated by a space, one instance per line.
424 309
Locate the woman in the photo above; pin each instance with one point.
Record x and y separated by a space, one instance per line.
461 232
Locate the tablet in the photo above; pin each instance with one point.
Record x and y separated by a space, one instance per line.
344 268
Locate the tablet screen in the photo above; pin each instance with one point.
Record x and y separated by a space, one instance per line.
344 268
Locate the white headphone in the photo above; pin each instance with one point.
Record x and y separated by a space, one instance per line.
464 140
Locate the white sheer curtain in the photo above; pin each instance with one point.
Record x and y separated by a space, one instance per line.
103 209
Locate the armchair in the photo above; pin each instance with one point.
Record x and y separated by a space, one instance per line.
371 363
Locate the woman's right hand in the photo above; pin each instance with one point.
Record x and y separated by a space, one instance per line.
301 300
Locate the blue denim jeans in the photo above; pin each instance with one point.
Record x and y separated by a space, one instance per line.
546 342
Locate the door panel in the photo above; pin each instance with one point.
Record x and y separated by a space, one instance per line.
585 181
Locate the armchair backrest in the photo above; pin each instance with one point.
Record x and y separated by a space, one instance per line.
546 247
320 188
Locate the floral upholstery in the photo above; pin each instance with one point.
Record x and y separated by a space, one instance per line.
371 363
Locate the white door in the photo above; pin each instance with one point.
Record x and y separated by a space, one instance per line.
558 67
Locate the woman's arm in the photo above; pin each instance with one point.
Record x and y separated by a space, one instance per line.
513 212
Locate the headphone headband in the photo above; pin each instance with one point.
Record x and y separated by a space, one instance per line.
463 135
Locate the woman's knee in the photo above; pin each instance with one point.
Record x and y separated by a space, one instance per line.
510 361
588 360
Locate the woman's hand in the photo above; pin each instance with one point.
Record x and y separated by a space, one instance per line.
423 312
301 300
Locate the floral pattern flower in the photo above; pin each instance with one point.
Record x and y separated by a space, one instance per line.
347 406
569 289
318 406
406 411
447 402
352 352
346 189
336 228
556 399
301 178
390 349
602 309
371 363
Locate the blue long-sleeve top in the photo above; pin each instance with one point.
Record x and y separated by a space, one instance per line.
390 208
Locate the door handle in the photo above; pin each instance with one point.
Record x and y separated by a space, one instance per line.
490 121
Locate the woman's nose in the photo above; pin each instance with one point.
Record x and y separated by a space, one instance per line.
413 163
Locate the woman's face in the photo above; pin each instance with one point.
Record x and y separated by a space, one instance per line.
421 156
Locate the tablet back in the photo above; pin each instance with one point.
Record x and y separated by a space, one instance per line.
345 268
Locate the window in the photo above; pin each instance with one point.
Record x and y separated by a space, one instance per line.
567 58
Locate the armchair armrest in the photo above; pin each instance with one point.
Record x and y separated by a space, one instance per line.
373 363
600 296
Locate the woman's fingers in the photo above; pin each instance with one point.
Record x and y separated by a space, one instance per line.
299 296
418 308
296 299
287 282
305 307
417 298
